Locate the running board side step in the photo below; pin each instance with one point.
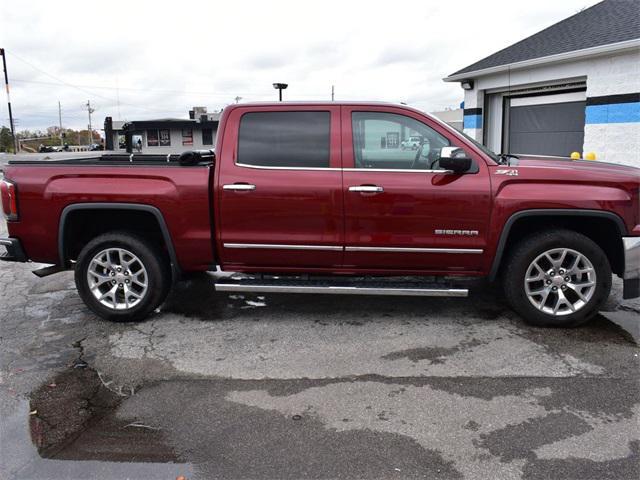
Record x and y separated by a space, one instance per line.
340 289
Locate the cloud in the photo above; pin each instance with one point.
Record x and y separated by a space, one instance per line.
269 60
139 60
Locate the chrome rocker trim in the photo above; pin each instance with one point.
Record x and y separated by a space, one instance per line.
353 249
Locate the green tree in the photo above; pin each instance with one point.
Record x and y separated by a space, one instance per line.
6 142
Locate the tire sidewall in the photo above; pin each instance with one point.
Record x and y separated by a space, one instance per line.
153 263
529 250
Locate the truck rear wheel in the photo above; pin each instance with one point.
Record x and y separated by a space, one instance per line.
122 277
557 278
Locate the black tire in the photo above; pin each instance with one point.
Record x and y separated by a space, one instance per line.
154 261
527 250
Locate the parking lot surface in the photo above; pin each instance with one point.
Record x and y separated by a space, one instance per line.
311 386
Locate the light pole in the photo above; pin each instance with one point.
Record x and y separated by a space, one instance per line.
280 87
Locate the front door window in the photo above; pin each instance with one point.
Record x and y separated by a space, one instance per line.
390 141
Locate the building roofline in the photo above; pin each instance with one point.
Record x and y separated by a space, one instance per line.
560 57
167 123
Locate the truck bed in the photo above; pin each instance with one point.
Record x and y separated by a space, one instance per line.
178 193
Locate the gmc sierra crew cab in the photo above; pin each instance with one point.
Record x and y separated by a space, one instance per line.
321 198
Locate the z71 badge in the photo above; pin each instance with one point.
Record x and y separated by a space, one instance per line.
512 172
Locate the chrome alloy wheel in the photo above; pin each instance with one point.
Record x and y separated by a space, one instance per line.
117 278
560 281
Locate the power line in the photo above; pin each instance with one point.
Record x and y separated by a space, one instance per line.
77 87
61 81
173 92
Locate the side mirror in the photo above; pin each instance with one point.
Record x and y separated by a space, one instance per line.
454 159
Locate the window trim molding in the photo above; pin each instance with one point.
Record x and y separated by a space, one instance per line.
400 170
265 167
349 169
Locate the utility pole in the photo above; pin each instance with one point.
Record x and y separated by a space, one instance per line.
90 110
6 83
237 99
60 120
332 92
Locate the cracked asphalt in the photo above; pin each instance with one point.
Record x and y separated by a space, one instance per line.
302 386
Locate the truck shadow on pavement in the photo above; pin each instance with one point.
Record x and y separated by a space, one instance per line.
196 298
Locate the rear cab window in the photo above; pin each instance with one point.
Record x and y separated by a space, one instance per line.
285 139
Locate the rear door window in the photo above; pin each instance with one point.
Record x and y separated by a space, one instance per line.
285 139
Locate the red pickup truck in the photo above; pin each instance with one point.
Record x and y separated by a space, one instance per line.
321 198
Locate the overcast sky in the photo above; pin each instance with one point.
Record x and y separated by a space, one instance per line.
138 59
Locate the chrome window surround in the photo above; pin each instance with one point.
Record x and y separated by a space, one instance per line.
402 170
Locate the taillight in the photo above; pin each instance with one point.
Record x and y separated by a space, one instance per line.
9 196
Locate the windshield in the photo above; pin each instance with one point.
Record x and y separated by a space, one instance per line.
493 156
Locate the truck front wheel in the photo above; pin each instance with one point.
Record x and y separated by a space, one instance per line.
122 277
557 278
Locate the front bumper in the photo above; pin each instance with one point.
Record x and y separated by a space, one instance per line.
631 275
14 250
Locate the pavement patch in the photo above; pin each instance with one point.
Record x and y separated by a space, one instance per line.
484 438
583 469
227 439
266 344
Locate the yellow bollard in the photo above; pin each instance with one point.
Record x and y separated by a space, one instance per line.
575 156
590 156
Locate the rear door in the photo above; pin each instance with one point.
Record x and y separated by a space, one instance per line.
402 212
280 201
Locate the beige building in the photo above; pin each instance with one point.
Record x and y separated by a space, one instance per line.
163 135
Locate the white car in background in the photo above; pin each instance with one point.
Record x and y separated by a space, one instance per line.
412 143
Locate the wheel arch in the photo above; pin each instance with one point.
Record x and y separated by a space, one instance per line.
525 221
142 210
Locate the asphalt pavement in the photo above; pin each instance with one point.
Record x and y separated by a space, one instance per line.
311 386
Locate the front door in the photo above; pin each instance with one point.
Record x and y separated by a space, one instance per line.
402 212
280 200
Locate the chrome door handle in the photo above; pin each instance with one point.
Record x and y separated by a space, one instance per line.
239 186
366 188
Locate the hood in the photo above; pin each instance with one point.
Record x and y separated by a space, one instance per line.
585 166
